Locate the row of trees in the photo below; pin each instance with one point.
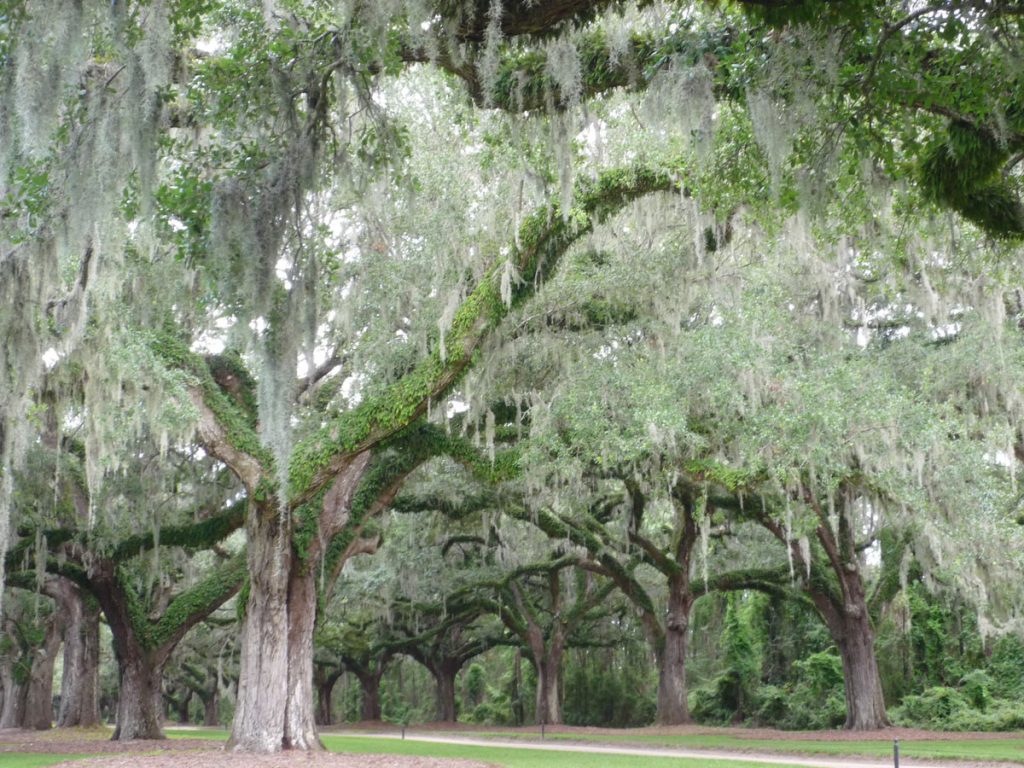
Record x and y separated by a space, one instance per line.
716 298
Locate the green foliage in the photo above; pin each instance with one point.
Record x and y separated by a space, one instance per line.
962 171
731 696
1006 668
610 689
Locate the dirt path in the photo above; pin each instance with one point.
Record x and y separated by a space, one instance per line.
765 758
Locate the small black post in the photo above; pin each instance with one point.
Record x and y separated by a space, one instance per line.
896 753
542 730
403 731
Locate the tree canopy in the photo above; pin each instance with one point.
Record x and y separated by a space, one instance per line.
704 296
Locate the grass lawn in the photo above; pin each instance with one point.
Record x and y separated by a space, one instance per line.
33 760
517 758
509 758
1011 750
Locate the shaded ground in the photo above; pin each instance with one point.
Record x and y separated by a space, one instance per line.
191 753
216 758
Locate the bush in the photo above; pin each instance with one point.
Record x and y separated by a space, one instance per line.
976 686
1006 668
935 708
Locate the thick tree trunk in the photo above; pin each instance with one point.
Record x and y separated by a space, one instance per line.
547 661
444 676
13 713
370 682
80 681
211 708
39 694
300 718
182 707
325 682
865 703
849 622
672 705
139 702
275 693
259 720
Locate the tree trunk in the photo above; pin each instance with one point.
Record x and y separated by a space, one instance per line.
13 713
275 692
547 660
38 712
182 706
444 675
849 623
300 718
139 701
211 708
865 703
259 720
518 715
324 691
370 682
80 681
673 708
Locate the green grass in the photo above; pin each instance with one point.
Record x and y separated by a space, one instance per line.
213 734
34 760
1009 749
1001 749
508 758
515 758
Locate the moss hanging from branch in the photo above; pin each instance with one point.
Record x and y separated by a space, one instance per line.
544 237
963 171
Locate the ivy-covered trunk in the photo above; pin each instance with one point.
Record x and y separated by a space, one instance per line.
79 684
672 705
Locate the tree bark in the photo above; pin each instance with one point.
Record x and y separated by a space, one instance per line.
139 702
547 661
850 628
259 720
370 682
38 712
80 681
13 713
673 708
275 693
300 717
325 683
444 676
211 706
